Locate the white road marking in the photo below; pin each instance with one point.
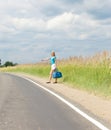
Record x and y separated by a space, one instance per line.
83 114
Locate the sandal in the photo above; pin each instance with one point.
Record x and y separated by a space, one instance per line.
54 82
48 82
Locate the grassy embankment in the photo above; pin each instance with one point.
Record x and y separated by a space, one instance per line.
91 74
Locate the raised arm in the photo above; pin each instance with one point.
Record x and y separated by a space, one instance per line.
46 59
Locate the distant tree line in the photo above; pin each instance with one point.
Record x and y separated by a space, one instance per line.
7 63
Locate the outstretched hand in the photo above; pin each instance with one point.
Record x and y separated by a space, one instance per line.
45 59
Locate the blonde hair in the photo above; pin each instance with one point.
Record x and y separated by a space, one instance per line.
53 53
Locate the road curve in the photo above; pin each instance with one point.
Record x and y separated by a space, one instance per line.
25 106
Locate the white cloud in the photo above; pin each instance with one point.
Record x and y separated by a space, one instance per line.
28 22
74 26
97 4
61 22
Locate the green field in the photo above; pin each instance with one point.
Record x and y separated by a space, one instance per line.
89 75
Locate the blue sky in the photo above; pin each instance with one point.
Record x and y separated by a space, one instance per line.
31 29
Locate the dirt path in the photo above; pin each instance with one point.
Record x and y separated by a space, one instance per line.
96 105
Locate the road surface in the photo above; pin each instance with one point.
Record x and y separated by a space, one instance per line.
25 106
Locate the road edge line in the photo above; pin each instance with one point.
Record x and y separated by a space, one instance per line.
80 112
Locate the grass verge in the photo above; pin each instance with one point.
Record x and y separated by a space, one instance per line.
94 79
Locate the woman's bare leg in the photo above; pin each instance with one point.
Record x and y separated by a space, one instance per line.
50 76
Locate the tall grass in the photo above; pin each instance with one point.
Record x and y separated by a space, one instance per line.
41 70
86 73
94 79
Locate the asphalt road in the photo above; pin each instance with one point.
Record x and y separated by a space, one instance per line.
25 106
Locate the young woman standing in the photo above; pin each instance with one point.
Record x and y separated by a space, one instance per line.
53 63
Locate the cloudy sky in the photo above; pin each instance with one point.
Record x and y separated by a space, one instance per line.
31 29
